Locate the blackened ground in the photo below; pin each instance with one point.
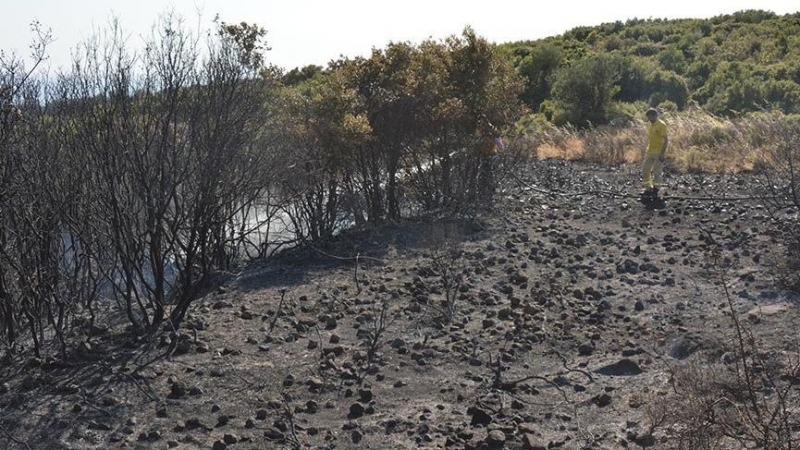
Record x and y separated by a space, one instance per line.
547 321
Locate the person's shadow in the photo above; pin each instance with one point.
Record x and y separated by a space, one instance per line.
653 202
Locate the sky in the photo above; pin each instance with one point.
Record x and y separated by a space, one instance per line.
302 32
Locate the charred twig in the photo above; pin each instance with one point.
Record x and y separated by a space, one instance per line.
498 383
292 438
13 439
274 320
355 276
136 383
570 369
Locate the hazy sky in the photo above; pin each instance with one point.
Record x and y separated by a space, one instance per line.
303 32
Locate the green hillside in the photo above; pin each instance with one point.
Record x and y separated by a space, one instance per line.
730 64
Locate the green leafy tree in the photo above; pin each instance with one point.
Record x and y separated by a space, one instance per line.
672 59
248 39
323 127
584 91
667 85
538 68
299 75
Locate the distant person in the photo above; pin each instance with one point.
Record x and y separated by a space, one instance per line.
657 141
490 144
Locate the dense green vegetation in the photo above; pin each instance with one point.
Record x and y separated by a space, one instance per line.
730 65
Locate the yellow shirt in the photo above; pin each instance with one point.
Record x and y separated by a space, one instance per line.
656 134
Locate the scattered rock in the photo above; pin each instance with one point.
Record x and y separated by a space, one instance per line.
365 395
601 400
273 434
531 442
622 368
197 424
496 439
645 440
586 349
519 277
178 389
479 416
684 347
356 411
767 311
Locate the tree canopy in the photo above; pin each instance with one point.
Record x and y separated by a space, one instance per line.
730 64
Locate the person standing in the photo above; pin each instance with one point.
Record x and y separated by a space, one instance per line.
490 144
657 141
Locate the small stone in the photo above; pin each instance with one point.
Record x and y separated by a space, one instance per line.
602 400
365 395
496 439
196 424
219 445
530 442
479 416
183 347
197 391
519 277
202 347
623 367
230 438
330 323
273 434
315 384
178 389
356 410
644 441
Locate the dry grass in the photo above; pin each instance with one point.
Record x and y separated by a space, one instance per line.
699 142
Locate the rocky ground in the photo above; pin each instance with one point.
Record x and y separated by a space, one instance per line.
551 321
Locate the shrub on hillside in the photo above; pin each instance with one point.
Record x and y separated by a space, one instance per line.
583 92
